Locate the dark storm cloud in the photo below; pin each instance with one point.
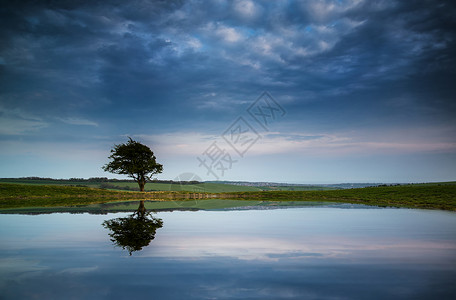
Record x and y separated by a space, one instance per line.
287 43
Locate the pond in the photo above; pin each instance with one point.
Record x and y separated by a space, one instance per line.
321 252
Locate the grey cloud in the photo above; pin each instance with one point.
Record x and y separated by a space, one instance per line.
167 54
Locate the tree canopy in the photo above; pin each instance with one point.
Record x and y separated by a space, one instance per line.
135 160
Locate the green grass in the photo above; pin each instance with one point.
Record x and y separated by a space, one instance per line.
204 187
432 196
13 195
22 195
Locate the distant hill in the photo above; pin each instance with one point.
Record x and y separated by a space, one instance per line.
299 186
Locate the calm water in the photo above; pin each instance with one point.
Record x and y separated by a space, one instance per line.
295 253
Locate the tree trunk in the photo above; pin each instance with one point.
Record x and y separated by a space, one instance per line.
141 183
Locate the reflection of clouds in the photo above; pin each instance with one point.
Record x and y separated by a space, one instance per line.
59 230
292 253
17 269
81 270
58 240
245 248
361 249
18 265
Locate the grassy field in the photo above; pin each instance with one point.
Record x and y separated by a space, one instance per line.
22 195
204 187
432 196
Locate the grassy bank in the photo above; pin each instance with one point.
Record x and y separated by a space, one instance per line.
432 196
20 195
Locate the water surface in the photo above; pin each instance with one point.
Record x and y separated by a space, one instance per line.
294 253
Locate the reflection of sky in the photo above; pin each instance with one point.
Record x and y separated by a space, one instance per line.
313 253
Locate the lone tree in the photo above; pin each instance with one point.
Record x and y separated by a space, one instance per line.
135 160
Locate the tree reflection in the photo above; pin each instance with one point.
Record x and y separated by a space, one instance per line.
135 231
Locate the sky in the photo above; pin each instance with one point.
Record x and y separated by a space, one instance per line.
283 91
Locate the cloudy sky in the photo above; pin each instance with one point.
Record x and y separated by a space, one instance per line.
356 90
